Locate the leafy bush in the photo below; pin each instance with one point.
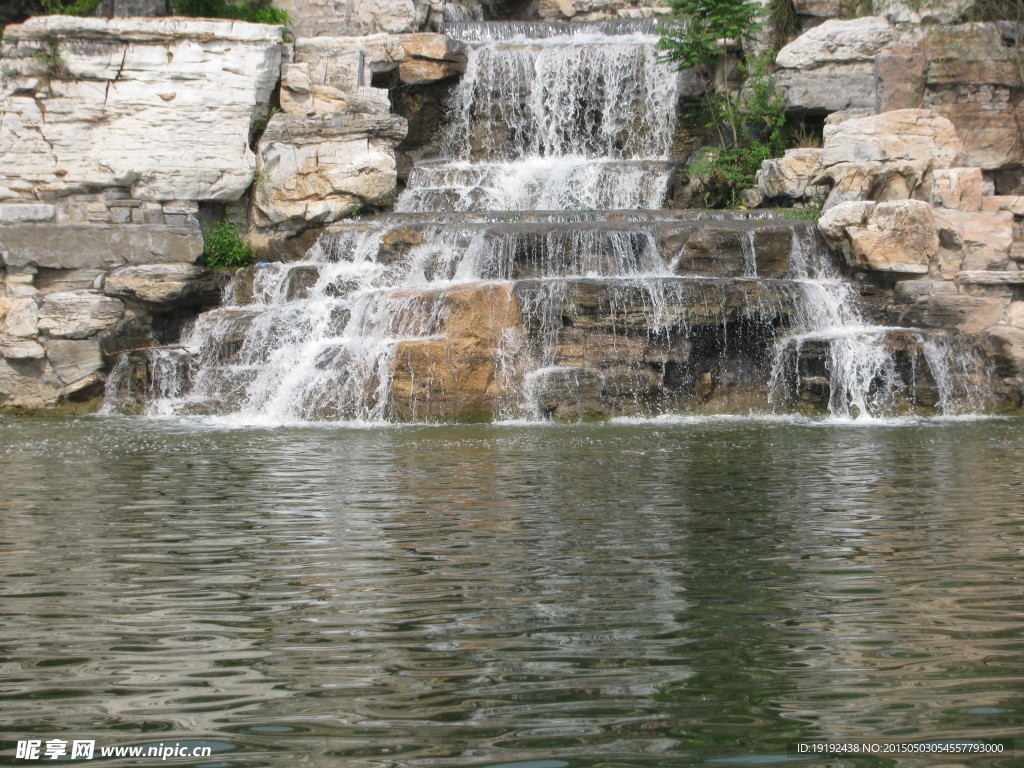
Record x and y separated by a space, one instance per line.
256 11
225 248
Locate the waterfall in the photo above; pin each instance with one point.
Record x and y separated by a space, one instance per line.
554 117
529 273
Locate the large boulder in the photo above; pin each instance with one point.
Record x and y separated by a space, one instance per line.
162 107
890 156
319 169
832 66
883 237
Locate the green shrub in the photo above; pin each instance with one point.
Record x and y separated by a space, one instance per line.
754 121
225 248
696 40
749 122
76 8
256 11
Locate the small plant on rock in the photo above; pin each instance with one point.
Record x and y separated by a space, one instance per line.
225 248
52 61
72 8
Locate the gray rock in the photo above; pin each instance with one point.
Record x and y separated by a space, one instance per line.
78 314
74 360
13 213
97 246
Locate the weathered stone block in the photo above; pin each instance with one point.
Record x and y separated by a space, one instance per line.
78 314
832 66
885 237
958 188
74 360
19 318
16 213
160 106
984 238
320 169
889 156
790 175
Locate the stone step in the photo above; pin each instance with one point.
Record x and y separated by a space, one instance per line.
556 246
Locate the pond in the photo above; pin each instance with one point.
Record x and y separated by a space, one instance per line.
666 593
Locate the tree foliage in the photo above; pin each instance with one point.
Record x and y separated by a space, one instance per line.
256 11
698 37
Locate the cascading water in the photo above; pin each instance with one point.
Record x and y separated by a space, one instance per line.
469 303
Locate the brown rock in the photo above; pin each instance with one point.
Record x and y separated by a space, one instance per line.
456 376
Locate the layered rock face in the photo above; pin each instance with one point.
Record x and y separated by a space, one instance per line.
331 152
112 133
964 72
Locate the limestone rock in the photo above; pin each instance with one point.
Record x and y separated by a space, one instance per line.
1015 314
974 80
167 286
594 10
990 277
1012 203
968 314
320 169
825 9
789 175
19 318
160 106
983 238
831 67
900 77
321 18
887 157
28 384
457 376
837 41
885 237
78 314
17 213
20 349
1009 345
922 11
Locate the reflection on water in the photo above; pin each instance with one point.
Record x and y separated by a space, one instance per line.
607 595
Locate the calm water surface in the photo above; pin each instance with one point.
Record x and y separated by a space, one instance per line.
664 594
